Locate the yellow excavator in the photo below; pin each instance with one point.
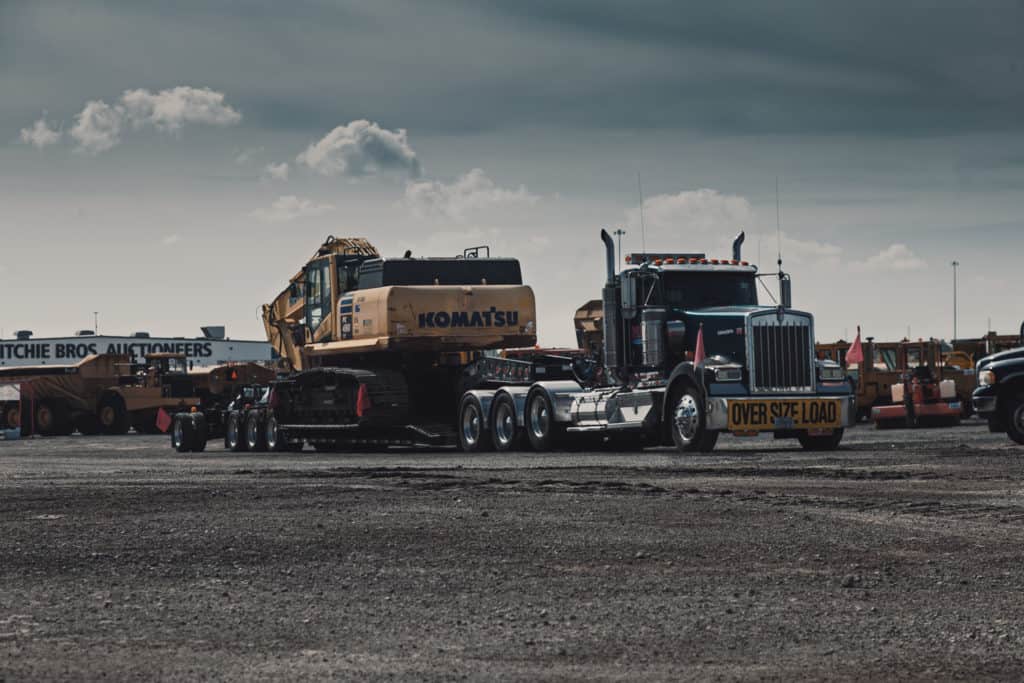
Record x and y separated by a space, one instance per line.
380 350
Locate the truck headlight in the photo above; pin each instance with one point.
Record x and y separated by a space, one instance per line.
728 374
832 373
986 378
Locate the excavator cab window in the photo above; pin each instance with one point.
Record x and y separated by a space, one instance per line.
318 293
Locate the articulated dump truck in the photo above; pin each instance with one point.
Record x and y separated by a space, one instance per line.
402 351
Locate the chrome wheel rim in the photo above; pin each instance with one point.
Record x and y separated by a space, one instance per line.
233 430
539 418
504 424
471 424
271 432
179 433
687 418
251 431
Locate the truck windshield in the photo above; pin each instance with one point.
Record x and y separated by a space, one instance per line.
693 290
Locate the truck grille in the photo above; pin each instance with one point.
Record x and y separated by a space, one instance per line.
781 354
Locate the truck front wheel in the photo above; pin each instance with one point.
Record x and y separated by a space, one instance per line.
688 418
1015 418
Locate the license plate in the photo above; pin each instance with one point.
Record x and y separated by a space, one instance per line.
785 413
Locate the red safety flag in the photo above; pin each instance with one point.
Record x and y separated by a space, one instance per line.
163 420
363 402
698 353
855 354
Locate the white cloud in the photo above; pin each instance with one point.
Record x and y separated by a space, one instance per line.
470 193
361 148
246 155
169 110
896 257
276 172
809 251
168 240
691 212
40 134
289 207
98 127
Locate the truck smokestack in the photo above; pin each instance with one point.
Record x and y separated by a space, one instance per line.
737 246
609 252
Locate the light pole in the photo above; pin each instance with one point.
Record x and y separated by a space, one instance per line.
95 322
619 233
955 264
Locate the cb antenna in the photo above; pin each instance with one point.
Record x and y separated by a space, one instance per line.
643 231
778 222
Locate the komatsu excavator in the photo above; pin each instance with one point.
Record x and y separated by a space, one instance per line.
382 349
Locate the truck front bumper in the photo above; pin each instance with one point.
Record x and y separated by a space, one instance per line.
777 413
984 400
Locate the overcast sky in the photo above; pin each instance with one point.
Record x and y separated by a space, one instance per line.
172 164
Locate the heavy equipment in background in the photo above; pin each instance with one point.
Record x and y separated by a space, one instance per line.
887 364
922 397
650 385
380 350
101 394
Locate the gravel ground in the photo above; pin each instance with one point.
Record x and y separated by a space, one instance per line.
898 556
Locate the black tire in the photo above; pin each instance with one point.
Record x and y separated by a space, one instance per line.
828 442
11 418
144 422
272 435
234 433
200 432
53 418
541 429
1015 418
255 439
687 420
474 437
505 433
182 433
114 418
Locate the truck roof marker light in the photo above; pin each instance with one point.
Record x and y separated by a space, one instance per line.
703 261
657 261
669 261
744 263
629 259
694 261
734 262
714 262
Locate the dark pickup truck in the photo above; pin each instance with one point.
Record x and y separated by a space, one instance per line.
999 397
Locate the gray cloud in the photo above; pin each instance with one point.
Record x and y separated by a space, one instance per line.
361 148
470 194
40 134
289 207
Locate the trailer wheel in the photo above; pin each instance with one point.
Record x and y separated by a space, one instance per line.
828 442
688 422
53 418
255 439
113 416
200 432
544 433
182 433
473 436
1015 419
506 435
234 439
272 435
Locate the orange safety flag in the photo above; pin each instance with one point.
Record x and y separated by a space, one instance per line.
163 420
698 354
363 402
855 354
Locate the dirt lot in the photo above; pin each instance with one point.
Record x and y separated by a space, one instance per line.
898 556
